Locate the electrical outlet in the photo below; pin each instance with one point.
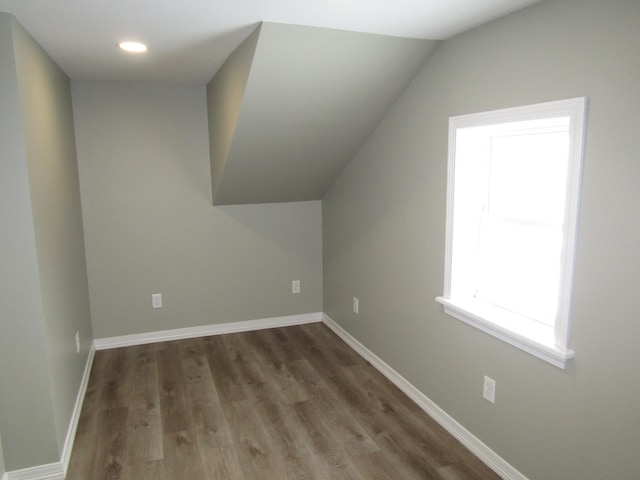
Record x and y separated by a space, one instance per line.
356 305
156 300
77 342
295 286
489 389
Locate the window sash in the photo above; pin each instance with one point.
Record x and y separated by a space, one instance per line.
460 297
519 267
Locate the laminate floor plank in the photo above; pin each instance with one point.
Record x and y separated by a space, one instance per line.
413 426
144 392
144 435
114 381
372 414
469 467
461 471
419 428
214 431
405 442
141 354
91 401
176 414
202 395
242 362
228 387
85 446
383 432
144 421
314 352
333 461
252 443
294 403
143 470
376 466
345 429
283 434
221 463
182 459
331 343
110 450
265 346
289 352
271 365
282 383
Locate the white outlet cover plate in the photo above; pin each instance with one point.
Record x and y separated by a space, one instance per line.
489 389
156 300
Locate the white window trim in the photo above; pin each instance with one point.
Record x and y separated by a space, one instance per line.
552 348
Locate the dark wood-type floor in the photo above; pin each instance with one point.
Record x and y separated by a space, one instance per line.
288 403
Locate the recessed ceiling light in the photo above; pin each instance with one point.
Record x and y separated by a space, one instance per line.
135 47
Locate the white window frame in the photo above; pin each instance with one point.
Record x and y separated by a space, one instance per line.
547 343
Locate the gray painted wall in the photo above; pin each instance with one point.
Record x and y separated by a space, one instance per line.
44 297
45 95
150 226
225 93
384 228
313 97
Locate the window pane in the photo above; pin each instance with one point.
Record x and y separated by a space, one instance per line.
513 183
528 175
520 268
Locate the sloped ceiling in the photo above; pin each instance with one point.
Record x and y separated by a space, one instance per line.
190 39
292 105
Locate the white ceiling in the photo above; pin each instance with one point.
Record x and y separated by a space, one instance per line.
190 39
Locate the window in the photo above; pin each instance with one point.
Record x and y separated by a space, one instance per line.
512 204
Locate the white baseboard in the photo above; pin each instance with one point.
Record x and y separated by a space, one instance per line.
483 452
58 470
53 471
205 331
77 409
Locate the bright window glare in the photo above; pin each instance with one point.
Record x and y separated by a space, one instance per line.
512 205
520 270
528 175
517 214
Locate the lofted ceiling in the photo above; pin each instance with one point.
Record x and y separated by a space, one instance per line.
294 87
190 39
308 99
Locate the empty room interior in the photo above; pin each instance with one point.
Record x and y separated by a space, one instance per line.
263 199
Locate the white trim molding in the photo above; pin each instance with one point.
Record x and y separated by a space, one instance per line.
537 345
77 409
52 471
206 330
58 470
483 452
470 217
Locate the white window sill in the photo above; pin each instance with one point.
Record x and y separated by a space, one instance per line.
534 338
